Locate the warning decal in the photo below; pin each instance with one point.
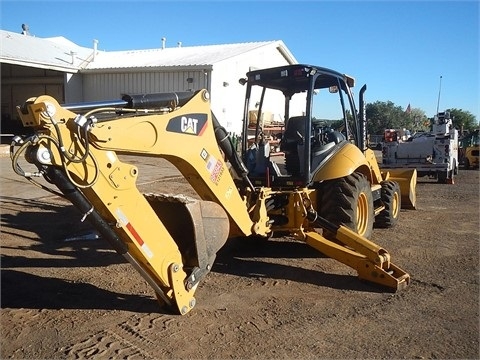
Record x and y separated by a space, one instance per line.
217 172
214 166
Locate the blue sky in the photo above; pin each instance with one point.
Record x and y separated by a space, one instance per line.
400 49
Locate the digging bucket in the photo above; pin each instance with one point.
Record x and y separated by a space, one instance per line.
200 228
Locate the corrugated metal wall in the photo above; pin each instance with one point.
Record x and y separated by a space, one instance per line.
221 79
109 86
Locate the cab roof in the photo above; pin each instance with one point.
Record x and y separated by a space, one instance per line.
297 77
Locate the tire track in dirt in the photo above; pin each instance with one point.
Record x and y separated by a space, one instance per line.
105 344
136 337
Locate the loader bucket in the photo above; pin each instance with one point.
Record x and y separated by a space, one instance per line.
200 228
407 179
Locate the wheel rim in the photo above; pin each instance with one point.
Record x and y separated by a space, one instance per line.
395 207
362 213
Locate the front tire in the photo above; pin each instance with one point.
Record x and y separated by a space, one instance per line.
348 201
391 198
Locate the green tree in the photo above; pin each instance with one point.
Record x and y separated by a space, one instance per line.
464 120
418 121
386 115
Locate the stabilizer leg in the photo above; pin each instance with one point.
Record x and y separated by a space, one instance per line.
374 271
371 261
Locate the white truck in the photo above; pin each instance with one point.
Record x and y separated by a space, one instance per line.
433 154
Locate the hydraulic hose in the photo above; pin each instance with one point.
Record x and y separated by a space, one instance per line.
57 177
313 216
225 143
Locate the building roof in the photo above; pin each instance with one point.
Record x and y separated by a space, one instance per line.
46 53
180 56
61 54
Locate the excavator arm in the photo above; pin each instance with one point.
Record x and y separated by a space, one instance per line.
78 153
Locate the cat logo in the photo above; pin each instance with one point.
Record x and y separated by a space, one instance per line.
191 124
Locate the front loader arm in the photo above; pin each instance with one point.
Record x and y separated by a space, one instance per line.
79 155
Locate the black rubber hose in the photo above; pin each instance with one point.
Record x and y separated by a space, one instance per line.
57 177
313 216
225 143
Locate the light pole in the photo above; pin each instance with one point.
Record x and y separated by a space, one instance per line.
439 91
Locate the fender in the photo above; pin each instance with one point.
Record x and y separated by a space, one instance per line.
342 163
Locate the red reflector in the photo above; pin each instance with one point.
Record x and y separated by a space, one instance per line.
135 234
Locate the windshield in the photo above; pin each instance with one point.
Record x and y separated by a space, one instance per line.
278 94
329 103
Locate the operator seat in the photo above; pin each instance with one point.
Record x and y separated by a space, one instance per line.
293 145
293 136
295 130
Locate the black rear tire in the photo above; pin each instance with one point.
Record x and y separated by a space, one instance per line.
391 198
348 201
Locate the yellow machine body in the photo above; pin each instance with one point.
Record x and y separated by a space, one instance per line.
471 158
350 159
172 241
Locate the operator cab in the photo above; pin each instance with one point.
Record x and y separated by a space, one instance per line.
296 117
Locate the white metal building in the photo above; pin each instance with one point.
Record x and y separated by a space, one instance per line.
34 66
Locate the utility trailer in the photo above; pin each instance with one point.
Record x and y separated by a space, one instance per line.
433 154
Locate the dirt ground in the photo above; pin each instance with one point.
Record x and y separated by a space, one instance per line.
65 298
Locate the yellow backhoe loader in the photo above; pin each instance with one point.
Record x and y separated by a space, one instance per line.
172 241
468 152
